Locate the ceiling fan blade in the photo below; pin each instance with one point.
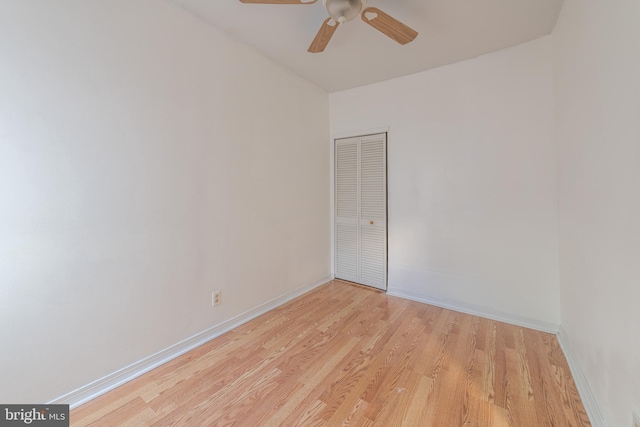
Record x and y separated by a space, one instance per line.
329 26
388 25
279 1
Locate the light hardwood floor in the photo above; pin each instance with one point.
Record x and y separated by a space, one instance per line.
346 355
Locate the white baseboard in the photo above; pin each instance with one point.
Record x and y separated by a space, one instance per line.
96 388
474 310
586 394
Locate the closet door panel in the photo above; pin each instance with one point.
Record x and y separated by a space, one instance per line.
373 211
346 231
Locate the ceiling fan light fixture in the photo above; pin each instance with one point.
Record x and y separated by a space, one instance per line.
343 10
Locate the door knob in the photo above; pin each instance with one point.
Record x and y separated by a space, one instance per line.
371 222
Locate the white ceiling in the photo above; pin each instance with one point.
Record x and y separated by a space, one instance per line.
450 31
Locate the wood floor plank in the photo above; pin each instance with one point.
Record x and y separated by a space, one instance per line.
314 375
348 355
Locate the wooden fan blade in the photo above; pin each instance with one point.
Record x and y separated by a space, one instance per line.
388 25
279 1
324 36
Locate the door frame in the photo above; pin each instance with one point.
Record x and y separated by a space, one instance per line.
332 185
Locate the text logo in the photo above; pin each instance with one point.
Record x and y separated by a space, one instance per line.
34 415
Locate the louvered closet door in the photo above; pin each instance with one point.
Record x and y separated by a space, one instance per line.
361 210
346 235
373 211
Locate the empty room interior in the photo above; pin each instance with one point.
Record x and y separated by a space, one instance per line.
321 213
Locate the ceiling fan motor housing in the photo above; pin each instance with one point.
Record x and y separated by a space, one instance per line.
344 10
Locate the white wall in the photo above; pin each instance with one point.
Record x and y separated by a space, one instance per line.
471 179
597 79
145 161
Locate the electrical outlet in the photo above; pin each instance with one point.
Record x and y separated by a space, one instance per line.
636 420
216 298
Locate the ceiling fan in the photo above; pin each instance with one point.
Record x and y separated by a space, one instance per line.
341 11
